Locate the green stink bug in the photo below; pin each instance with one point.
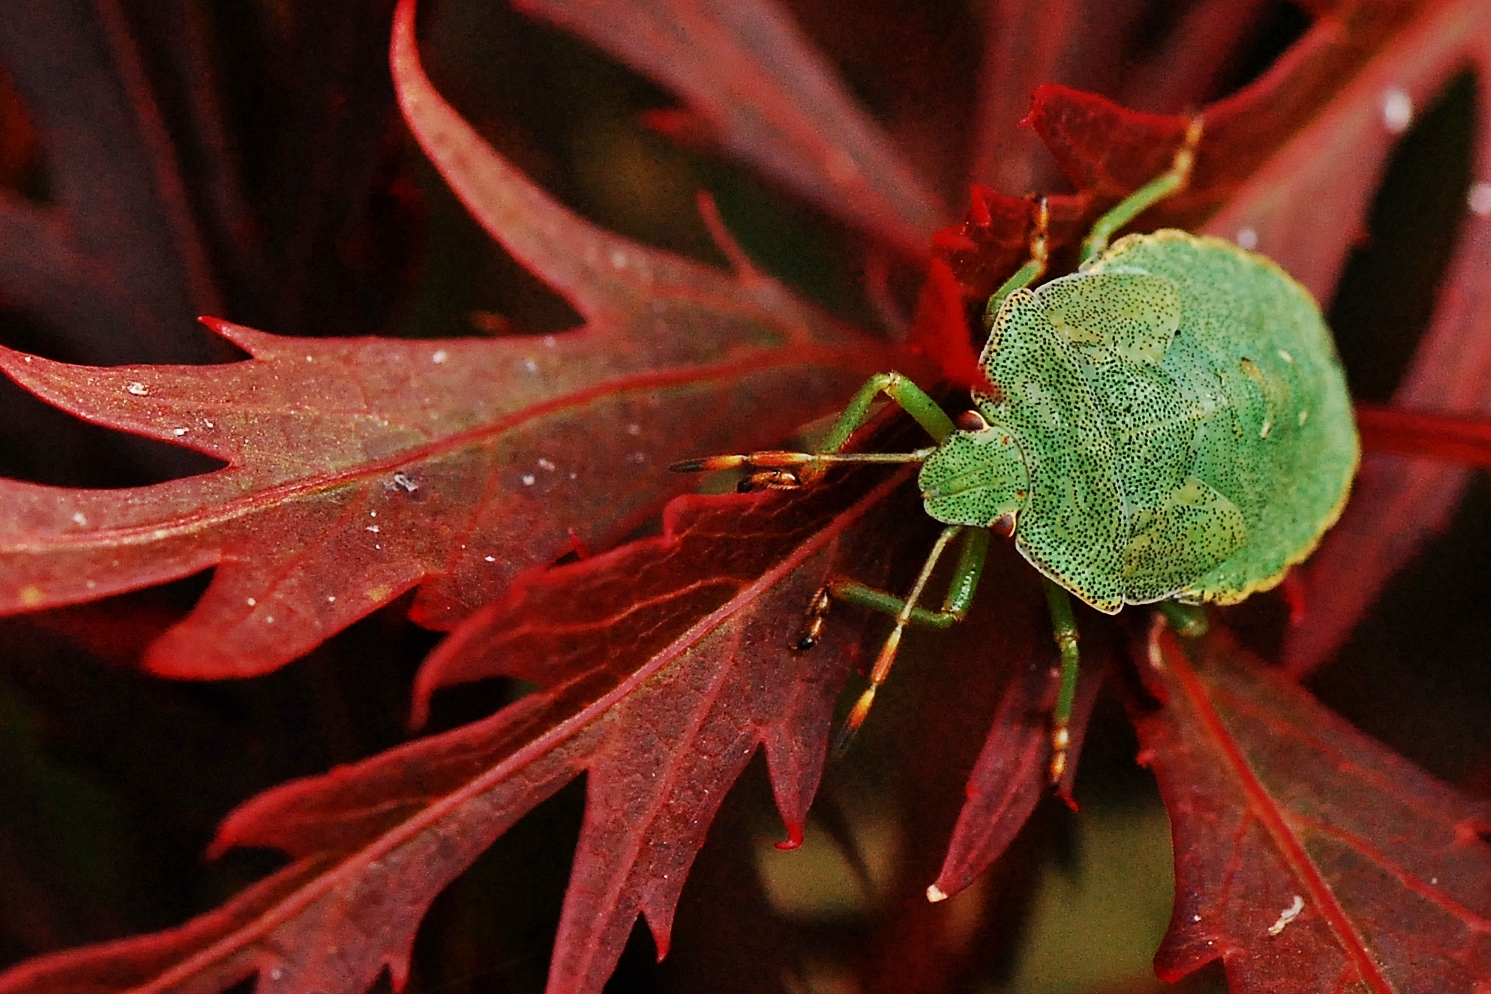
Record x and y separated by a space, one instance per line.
1168 424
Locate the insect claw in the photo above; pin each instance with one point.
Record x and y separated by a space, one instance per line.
769 479
813 621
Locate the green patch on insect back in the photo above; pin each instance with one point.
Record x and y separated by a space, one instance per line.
1185 420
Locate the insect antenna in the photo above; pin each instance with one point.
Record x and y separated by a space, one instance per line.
887 657
776 459
778 470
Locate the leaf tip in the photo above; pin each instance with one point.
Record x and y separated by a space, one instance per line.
794 837
246 338
936 895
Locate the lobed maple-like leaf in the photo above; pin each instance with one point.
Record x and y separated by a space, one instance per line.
661 663
1307 856
695 678
1010 777
359 469
756 87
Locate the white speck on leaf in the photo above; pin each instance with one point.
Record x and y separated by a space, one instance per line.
372 514
1195 918
1247 238
373 529
310 358
634 429
574 475
252 602
178 432
439 357
402 481
269 619
1288 915
528 479
550 341
545 464
1286 356
638 457
1479 198
209 424
1303 417
491 559
1397 111
137 388
530 365
331 598
79 518
618 259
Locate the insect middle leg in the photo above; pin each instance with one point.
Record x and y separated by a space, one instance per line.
974 550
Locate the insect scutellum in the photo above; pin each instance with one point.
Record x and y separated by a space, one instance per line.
1128 445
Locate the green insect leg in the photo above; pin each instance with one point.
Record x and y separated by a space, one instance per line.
1027 274
1064 630
1187 619
1151 193
975 548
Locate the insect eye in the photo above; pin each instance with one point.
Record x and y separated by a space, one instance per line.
972 421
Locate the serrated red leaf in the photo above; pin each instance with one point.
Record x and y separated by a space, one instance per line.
756 86
663 723
359 469
1010 777
1307 856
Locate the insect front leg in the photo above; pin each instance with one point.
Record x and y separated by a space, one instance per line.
788 470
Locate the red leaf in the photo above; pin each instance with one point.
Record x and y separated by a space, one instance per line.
133 964
1010 777
1307 856
665 689
757 87
1305 207
361 468
111 172
1427 436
